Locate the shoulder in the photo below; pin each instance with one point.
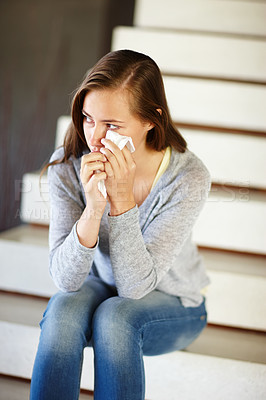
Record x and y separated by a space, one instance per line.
189 166
58 154
66 169
186 176
64 182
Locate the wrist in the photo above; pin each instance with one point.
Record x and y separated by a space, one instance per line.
88 228
92 214
121 207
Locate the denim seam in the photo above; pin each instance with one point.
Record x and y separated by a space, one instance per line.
170 319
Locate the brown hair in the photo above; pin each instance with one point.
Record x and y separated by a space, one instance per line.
141 77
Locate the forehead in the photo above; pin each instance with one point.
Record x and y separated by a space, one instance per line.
107 101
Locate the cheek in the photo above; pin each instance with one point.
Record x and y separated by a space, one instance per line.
86 131
138 139
140 135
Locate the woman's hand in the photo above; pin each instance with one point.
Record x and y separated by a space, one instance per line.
92 172
120 170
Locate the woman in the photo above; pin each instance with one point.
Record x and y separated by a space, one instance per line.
130 278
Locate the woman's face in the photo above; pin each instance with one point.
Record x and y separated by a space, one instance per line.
108 109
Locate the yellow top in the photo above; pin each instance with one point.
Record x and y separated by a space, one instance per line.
163 166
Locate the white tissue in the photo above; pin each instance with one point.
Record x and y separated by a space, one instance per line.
121 142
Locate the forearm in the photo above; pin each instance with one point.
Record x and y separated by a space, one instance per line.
132 264
70 262
88 227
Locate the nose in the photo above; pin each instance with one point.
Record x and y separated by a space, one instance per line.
96 134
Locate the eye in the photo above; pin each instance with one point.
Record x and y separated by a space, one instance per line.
112 127
88 119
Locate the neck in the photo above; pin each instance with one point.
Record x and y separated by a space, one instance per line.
147 162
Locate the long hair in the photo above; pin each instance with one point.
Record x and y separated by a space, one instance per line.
140 76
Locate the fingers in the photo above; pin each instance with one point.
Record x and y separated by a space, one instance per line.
112 166
89 164
117 159
109 170
89 169
113 153
91 186
128 158
97 178
92 157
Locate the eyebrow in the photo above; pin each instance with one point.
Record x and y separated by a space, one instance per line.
104 120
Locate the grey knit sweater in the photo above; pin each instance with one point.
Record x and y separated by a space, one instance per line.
149 247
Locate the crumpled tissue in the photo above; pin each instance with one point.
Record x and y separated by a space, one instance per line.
121 142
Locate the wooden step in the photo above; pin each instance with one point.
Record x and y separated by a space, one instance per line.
35 207
196 54
215 103
233 219
13 388
226 17
232 159
61 127
24 261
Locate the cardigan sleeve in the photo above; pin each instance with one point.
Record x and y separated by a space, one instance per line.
69 260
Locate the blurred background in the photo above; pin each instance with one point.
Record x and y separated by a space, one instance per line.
212 54
46 48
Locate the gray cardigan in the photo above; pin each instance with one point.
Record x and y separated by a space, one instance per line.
149 247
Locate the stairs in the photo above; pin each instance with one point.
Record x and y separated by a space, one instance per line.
214 73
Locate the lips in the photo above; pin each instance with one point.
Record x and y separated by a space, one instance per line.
95 149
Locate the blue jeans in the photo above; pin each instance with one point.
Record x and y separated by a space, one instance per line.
120 331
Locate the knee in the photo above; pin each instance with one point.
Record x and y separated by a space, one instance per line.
113 322
63 325
114 311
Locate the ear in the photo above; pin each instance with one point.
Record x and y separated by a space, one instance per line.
148 126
